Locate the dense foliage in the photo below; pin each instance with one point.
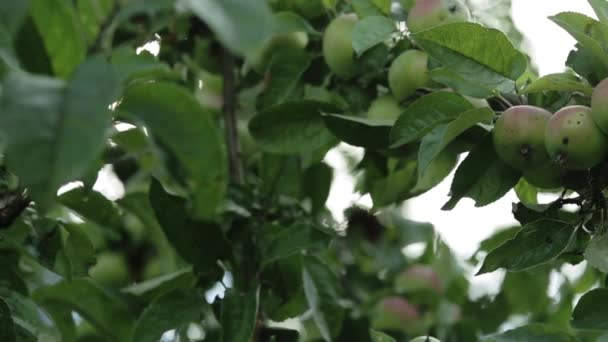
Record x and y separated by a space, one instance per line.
219 142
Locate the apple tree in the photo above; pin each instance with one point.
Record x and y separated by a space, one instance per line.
164 176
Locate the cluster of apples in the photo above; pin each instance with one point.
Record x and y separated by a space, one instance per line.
409 70
545 146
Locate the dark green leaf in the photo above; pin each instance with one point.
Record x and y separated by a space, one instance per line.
175 117
78 249
559 82
57 23
200 243
476 53
241 25
105 312
596 252
425 114
460 84
7 328
535 244
170 311
143 66
362 132
148 290
239 315
93 206
590 311
316 184
590 33
322 293
395 187
12 14
292 127
438 169
371 31
482 176
532 333
278 242
56 128
286 68
288 22
441 136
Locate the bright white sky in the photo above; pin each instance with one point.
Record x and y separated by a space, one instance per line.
465 226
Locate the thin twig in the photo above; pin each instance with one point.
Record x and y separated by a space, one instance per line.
230 120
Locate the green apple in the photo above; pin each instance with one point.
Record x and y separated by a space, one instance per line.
111 270
280 42
419 277
599 105
519 137
384 107
573 140
338 46
409 72
429 13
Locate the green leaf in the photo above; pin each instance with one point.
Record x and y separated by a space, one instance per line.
94 207
174 116
532 333
26 315
378 336
239 315
200 243
292 127
441 136
590 33
590 311
476 53
132 66
322 293
559 82
48 125
362 132
370 32
288 22
600 7
366 8
526 193
462 85
7 327
92 14
395 187
316 184
107 313
12 14
149 290
240 25
78 249
596 252
277 242
437 170
425 114
535 244
170 311
57 23
482 176
286 69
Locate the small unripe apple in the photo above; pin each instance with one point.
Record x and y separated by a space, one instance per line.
310 9
338 46
407 73
573 139
548 176
384 107
599 105
395 313
429 13
111 270
424 339
519 137
419 277
281 42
